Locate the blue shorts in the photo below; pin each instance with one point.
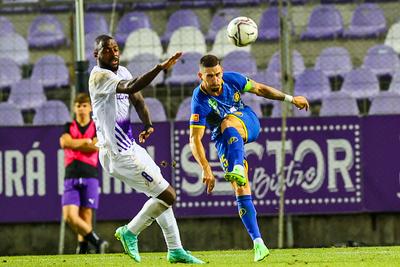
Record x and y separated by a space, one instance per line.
81 192
251 125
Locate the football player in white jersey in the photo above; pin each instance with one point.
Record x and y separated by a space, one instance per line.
112 88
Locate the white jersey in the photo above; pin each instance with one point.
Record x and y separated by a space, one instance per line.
111 110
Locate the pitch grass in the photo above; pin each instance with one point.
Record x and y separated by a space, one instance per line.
362 256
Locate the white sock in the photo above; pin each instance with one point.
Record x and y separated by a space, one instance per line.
146 216
170 229
258 240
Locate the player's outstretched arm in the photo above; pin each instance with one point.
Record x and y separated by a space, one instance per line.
271 93
137 84
196 135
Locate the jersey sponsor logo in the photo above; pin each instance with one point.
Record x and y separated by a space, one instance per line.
232 140
147 176
236 97
214 105
195 117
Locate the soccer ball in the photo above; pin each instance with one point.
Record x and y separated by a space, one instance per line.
242 31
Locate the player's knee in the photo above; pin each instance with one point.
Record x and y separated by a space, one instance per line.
168 196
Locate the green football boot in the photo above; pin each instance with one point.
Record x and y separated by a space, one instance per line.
129 241
260 252
236 175
182 256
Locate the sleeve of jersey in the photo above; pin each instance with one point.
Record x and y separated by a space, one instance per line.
105 82
198 115
242 82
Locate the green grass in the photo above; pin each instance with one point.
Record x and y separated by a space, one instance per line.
341 257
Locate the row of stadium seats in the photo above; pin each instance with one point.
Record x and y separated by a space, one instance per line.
325 22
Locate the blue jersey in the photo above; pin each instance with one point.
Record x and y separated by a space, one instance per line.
209 111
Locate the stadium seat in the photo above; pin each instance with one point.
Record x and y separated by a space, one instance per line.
129 23
153 5
339 104
46 31
10 115
393 37
333 61
381 60
156 108
267 78
254 102
325 22
368 20
294 2
277 110
219 21
178 19
185 71
269 26
27 94
336 1
142 41
187 39
14 46
142 63
103 7
6 26
90 39
52 112
197 3
240 61
222 46
51 71
95 23
313 84
274 64
385 103
228 3
184 110
361 83
10 73
395 84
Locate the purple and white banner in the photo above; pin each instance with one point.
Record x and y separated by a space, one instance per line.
332 165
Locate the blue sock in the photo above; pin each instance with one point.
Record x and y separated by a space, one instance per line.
235 147
248 214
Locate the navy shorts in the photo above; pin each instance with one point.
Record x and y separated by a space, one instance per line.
82 192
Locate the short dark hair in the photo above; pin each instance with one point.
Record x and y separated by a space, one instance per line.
101 39
82 98
209 61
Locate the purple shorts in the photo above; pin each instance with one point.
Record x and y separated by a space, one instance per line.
82 192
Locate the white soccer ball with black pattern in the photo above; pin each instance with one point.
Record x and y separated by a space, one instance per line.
242 31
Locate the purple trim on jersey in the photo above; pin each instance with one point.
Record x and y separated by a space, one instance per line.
125 125
82 192
122 143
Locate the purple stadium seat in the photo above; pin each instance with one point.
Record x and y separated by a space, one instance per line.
268 78
46 31
385 103
197 3
95 23
240 61
51 71
339 104
142 63
52 112
17 6
180 18
10 73
254 102
240 2
187 39
222 46
185 70
274 64
381 60
333 61
325 22
27 94
361 83
104 6
10 115
277 110
313 84
56 6
395 84
142 41
6 26
149 5
131 22
220 20
294 2
14 46
269 26
184 110
368 20
90 39
336 1
157 111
